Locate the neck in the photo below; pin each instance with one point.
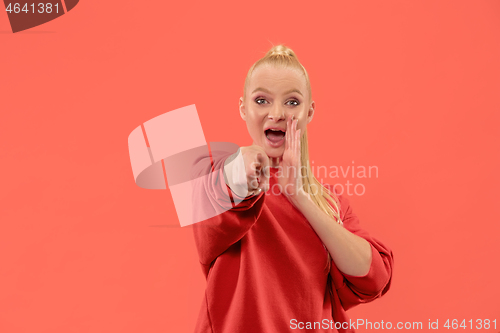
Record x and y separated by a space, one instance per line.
274 162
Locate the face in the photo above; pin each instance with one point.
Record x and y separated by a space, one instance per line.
273 96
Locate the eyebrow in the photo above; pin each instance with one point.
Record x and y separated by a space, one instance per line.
286 93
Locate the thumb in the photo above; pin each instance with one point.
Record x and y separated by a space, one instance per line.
263 171
260 158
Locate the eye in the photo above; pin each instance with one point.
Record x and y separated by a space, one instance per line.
294 101
260 99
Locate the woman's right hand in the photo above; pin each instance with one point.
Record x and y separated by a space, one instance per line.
247 171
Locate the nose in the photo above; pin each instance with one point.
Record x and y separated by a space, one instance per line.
277 113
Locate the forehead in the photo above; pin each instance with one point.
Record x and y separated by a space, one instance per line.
276 79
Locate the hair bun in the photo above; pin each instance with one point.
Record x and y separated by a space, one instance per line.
281 50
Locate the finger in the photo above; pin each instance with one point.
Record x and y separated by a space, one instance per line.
264 182
253 182
253 185
297 145
260 158
264 170
254 190
264 186
255 166
263 160
264 164
297 148
287 134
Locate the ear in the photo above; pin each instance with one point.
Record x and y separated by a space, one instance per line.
310 112
243 111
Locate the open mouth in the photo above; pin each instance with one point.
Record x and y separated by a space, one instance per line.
275 136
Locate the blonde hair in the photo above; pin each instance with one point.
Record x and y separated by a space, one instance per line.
282 56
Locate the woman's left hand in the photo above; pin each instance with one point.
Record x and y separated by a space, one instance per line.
290 179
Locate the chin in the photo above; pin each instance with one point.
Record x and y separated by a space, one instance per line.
274 152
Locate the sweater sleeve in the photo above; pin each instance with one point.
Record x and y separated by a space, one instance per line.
354 290
232 216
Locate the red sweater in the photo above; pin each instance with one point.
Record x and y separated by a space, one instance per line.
265 265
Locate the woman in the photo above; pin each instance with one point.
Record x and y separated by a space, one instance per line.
291 254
